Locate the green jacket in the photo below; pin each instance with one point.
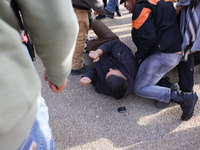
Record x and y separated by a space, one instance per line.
53 28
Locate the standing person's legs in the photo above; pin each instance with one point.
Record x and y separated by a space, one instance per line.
77 61
196 58
151 71
90 18
118 11
103 33
40 137
109 10
186 74
105 3
111 5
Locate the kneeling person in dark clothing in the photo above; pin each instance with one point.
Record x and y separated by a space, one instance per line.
115 65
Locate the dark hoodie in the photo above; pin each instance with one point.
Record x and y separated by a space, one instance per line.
155 28
116 55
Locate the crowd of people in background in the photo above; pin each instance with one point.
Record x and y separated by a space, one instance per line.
166 36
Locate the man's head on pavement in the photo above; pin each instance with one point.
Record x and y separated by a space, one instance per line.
116 83
115 72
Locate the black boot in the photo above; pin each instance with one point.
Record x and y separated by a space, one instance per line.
118 11
165 83
101 16
187 102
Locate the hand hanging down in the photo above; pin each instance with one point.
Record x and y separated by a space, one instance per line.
56 89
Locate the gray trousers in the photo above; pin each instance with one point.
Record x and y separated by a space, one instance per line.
151 71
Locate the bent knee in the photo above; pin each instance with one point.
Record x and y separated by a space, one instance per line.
137 90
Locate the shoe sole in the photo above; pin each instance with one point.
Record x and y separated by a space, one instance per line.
111 17
119 15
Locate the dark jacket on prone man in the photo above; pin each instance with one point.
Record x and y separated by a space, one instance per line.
116 55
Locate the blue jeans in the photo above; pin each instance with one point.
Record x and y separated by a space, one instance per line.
151 71
25 48
40 136
111 5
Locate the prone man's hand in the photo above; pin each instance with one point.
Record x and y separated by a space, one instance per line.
56 89
85 81
95 54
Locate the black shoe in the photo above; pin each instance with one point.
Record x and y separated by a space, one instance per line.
100 16
118 11
84 69
109 14
165 83
187 102
174 86
188 107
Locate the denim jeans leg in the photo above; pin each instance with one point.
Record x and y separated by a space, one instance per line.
151 71
40 137
111 5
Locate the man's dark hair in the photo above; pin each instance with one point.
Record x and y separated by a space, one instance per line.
117 85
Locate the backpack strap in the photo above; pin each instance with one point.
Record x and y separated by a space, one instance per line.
28 44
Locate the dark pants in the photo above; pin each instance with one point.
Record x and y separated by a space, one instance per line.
105 3
186 72
90 18
103 33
